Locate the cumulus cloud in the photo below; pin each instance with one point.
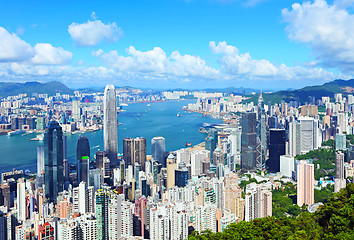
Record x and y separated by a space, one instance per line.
94 32
156 63
328 29
47 54
236 65
13 48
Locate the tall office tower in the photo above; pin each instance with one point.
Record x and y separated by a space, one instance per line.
294 139
102 200
134 151
171 167
53 161
183 155
40 161
248 139
76 110
309 134
261 135
341 142
83 159
197 158
211 142
276 149
114 216
99 158
218 157
339 180
158 150
110 130
65 147
258 202
305 183
21 199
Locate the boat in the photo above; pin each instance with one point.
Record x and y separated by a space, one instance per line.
40 137
148 105
13 133
203 130
178 115
188 144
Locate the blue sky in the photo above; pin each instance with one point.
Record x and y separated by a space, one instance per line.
269 44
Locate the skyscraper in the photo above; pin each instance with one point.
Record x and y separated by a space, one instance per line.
339 181
261 134
158 150
40 160
134 151
294 139
248 142
309 134
53 161
171 167
21 199
305 183
110 130
102 200
83 158
276 149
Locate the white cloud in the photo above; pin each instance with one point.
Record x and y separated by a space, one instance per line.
156 63
241 64
94 32
235 66
327 29
47 54
13 48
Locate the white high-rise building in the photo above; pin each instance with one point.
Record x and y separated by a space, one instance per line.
258 202
287 166
88 227
206 218
127 209
183 155
21 199
310 137
110 124
68 229
197 158
114 215
294 139
82 198
169 222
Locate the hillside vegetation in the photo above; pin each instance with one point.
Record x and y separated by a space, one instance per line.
333 220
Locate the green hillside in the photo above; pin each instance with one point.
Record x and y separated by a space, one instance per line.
328 89
333 220
50 88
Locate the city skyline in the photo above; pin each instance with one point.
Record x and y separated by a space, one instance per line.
213 43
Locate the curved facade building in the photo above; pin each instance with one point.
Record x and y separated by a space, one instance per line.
53 161
110 130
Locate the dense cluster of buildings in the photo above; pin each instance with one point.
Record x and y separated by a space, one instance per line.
166 195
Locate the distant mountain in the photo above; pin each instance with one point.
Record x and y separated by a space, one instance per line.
50 88
328 89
